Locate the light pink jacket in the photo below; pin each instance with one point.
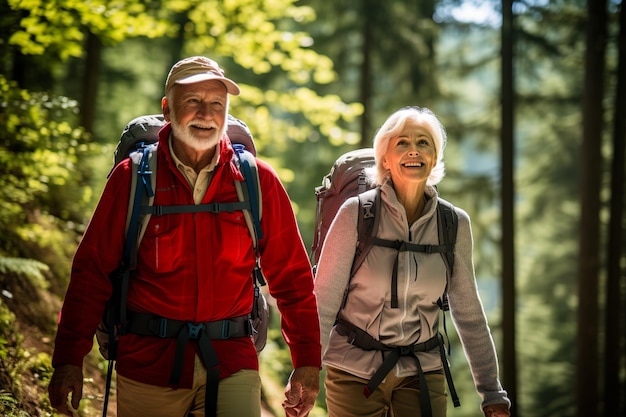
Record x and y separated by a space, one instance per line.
421 281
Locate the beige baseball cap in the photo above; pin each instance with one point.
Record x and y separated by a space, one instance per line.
196 69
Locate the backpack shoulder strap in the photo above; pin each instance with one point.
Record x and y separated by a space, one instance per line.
367 225
447 224
142 186
143 178
447 227
250 191
246 163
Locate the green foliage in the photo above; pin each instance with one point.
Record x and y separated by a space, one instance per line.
550 123
11 352
40 365
250 33
57 27
299 64
28 268
9 406
21 369
273 60
43 193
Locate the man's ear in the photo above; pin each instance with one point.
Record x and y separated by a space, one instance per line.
166 109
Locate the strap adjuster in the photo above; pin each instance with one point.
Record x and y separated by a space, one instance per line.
406 350
225 329
163 327
194 330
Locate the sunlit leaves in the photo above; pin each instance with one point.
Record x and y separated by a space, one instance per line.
251 33
39 149
258 36
59 26
325 112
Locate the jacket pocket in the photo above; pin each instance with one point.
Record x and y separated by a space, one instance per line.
163 243
234 233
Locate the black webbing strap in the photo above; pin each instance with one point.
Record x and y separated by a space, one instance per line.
446 370
402 246
203 333
365 341
195 208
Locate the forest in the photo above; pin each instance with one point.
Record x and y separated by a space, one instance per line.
532 94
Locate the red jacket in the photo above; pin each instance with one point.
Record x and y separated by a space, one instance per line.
192 267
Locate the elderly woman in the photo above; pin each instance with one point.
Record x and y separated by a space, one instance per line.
409 163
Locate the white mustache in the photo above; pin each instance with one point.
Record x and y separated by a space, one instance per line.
201 125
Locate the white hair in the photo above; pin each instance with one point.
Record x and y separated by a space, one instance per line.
393 126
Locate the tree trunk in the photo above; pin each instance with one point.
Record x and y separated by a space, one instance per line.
509 368
614 336
366 78
587 395
90 82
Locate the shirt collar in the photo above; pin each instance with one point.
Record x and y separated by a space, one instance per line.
181 166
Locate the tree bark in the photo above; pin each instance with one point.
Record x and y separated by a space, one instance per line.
509 367
587 381
366 78
90 82
614 337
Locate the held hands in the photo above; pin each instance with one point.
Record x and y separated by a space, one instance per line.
497 410
66 379
301 391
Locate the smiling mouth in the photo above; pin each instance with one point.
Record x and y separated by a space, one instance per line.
413 164
207 128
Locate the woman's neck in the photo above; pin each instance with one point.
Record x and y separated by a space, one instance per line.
413 199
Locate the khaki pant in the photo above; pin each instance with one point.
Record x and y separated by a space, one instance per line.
394 397
238 396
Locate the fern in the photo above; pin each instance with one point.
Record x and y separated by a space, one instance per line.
9 406
30 268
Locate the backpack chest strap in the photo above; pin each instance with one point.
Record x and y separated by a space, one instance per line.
402 246
196 208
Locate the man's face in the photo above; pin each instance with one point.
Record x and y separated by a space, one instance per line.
198 113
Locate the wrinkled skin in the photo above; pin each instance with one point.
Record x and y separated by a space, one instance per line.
301 391
66 379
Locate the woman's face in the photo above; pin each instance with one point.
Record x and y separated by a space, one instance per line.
411 155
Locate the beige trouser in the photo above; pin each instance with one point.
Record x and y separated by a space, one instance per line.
239 395
394 397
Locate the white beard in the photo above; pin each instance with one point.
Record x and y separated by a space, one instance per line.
186 135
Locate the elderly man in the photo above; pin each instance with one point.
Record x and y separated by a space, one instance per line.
192 268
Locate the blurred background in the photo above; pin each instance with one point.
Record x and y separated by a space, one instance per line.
531 92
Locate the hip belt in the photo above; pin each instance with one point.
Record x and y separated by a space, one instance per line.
155 326
360 338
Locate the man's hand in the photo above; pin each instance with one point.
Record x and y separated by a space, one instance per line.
301 391
66 378
497 410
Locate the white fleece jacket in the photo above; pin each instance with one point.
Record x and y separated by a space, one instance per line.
421 281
